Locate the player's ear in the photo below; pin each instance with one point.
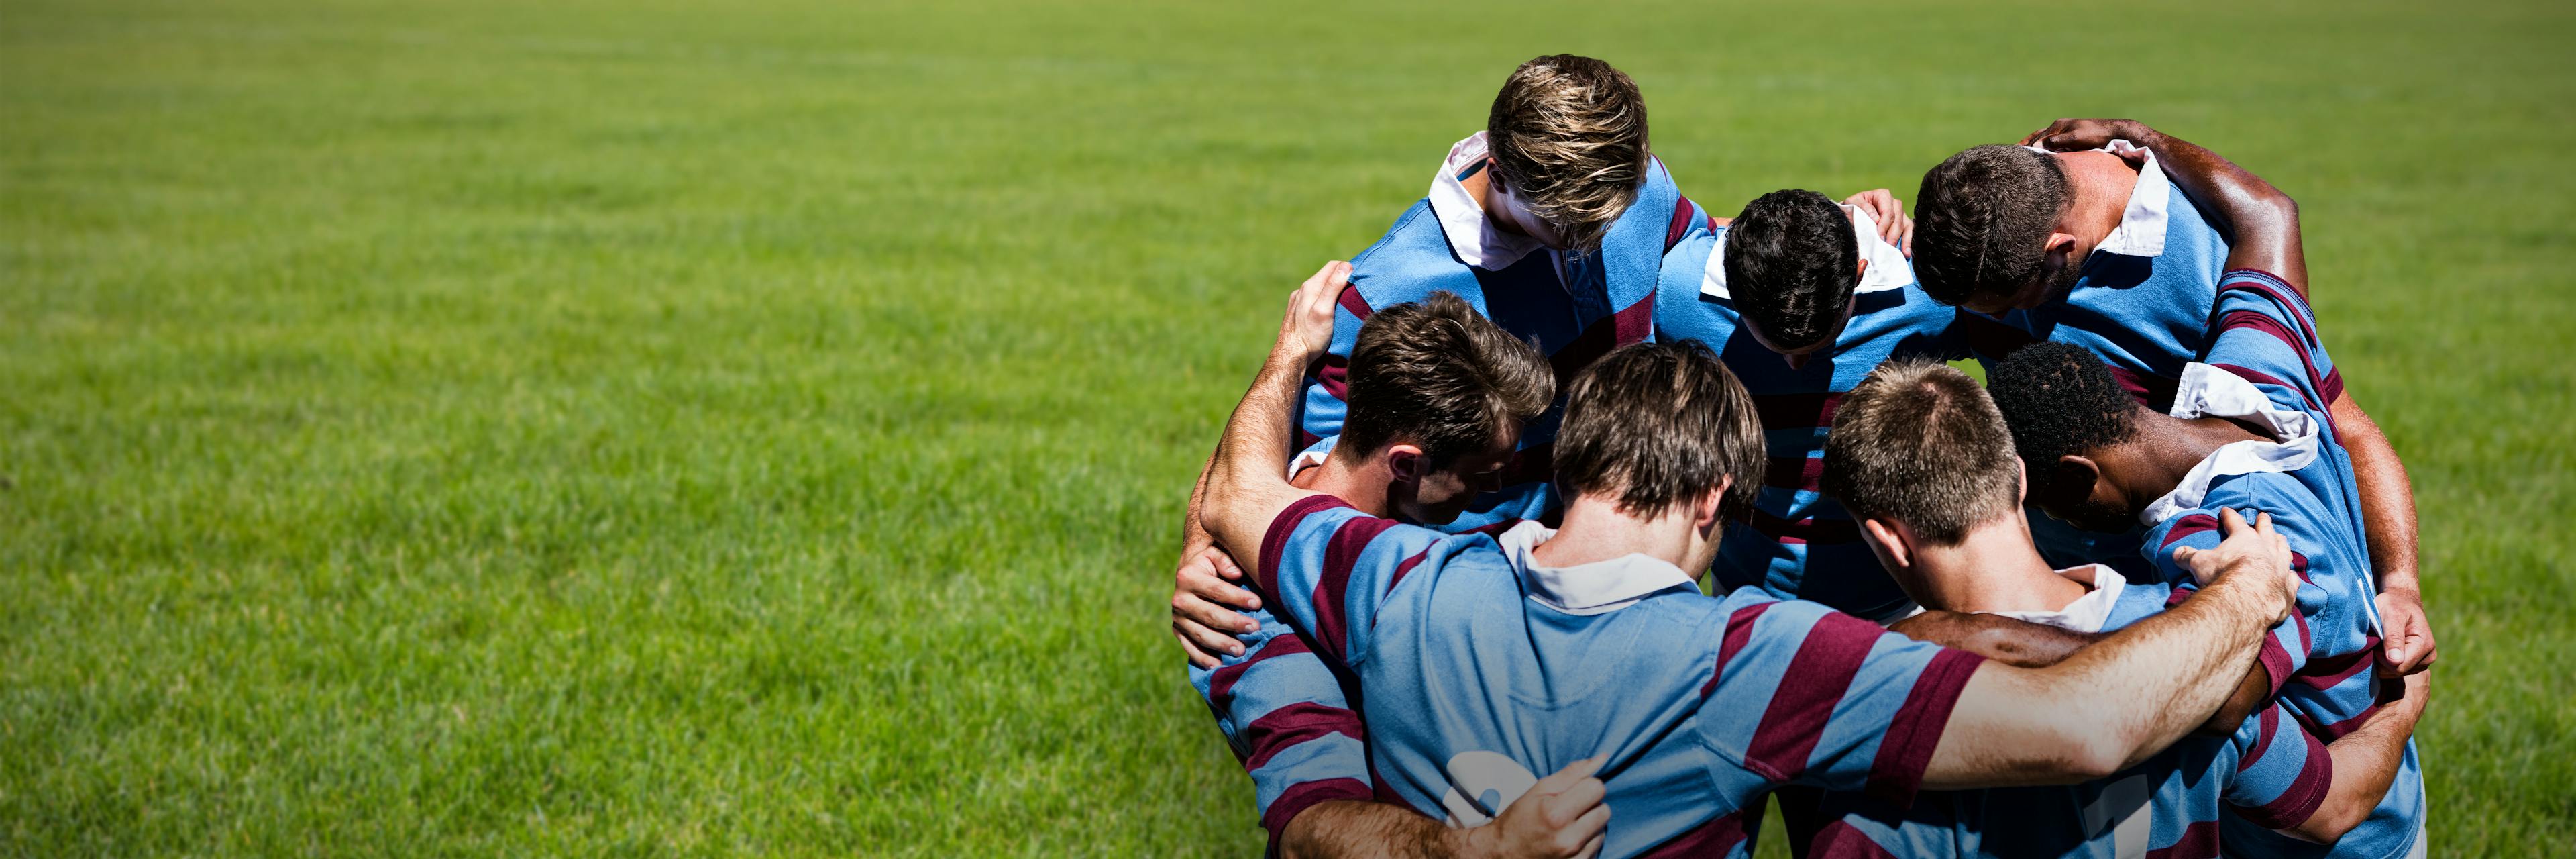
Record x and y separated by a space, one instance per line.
2074 476
1407 462
1858 276
1894 542
2021 482
2061 248
1704 513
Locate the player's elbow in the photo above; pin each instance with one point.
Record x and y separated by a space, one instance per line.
2336 816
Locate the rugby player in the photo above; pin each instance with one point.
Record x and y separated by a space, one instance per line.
1437 395
1923 457
2109 235
1483 661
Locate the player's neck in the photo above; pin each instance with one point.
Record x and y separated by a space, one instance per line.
1994 568
1480 188
1363 486
2100 184
2167 448
1595 530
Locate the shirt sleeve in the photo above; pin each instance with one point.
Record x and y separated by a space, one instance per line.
1289 721
2262 331
1850 706
2282 772
1326 569
2288 647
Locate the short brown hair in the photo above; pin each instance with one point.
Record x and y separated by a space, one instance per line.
1982 219
1568 135
1919 442
1436 374
1655 425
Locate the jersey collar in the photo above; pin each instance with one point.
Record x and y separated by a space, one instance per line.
1888 267
2088 613
2141 232
2207 391
1599 587
1471 235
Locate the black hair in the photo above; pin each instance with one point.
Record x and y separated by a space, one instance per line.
1982 219
1791 263
2059 400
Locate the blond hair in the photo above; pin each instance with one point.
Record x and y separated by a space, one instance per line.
1569 136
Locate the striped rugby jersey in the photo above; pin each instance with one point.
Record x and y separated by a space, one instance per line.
1481 670
1803 545
2266 364
1287 715
2168 806
2142 303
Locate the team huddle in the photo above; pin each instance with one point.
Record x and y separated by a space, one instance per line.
2149 591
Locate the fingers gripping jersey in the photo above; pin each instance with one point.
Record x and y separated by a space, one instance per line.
1801 544
1471 688
2265 345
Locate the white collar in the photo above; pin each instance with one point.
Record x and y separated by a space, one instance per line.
2088 612
2207 391
1888 267
2141 232
1599 587
1462 218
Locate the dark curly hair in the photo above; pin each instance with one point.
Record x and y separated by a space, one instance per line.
1791 263
1982 219
2059 401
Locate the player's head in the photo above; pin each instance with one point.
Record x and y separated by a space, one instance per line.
1567 135
1662 429
1792 263
1988 234
1438 393
1920 457
2073 426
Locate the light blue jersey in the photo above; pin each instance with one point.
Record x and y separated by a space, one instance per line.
1481 671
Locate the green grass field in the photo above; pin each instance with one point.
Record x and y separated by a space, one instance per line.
486 428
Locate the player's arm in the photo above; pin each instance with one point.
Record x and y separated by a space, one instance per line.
2018 643
2388 520
2084 718
2023 644
1561 816
2262 222
2365 763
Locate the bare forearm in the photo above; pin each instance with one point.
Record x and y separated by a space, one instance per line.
2366 762
2262 222
1194 533
1350 829
2387 496
1243 483
2012 642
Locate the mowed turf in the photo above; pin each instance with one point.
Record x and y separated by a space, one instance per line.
486 428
